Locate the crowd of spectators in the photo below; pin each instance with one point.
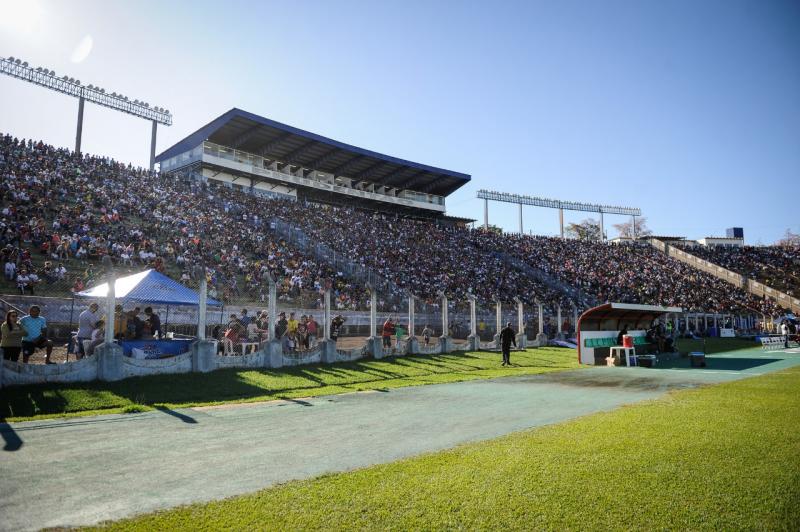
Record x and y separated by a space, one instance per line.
774 266
61 213
630 273
59 208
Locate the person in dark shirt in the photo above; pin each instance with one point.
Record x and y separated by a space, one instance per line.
154 321
281 326
622 333
507 337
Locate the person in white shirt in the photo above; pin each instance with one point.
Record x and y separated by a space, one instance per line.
87 323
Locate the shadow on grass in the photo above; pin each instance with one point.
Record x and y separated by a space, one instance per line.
233 384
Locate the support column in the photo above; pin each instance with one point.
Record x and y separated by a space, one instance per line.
521 337
602 228
473 340
498 323
560 332
373 312
110 304
575 320
541 338
274 347
79 132
374 340
445 342
328 345
201 309
153 146
413 347
109 354
633 227
696 324
485 214
520 220
272 304
561 221
203 351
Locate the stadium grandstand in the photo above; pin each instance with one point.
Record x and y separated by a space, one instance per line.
245 201
270 159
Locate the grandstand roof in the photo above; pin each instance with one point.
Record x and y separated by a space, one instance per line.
262 136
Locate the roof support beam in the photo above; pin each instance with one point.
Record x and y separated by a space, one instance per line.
274 143
339 170
391 178
292 156
363 174
244 137
414 180
322 159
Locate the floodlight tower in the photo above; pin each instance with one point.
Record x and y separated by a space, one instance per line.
43 77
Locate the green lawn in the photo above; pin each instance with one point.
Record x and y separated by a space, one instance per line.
714 345
724 457
240 385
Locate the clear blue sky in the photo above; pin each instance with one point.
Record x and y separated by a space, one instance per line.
687 109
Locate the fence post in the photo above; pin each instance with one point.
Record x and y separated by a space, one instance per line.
560 333
575 319
203 351
445 342
413 346
109 354
374 341
522 338
498 321
328 345
473 340
274 347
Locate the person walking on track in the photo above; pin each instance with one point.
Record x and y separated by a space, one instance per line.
507 337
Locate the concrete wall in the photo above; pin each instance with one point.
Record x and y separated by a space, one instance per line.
16 374
134 367
109 364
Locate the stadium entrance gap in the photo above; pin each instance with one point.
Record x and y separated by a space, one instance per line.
598 327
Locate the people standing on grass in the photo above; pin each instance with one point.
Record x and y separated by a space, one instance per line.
12 333
507 337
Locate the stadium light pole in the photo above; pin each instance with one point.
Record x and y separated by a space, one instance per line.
487 195
16 68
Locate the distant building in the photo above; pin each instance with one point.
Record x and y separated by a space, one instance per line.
714 241
734 232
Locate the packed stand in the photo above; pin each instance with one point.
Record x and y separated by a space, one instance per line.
774 266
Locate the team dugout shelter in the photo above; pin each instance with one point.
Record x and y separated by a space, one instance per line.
598 328
264 157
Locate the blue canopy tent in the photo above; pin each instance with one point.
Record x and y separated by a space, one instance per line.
149 286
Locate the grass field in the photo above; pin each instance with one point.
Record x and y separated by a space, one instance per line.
240 385
723 457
